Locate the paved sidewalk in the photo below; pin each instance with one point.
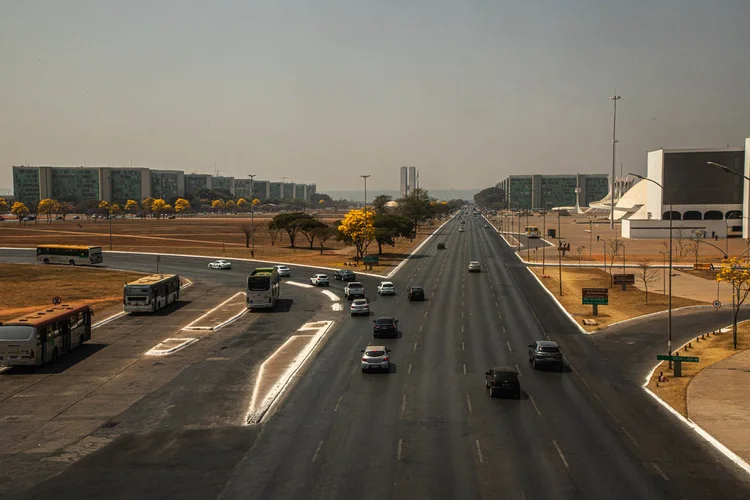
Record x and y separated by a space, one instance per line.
717 400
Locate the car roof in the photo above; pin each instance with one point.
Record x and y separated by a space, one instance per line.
375 348
547 343
416 286
391 318
504 369
360 301
279 265
474 262
322 275
346 271
386 283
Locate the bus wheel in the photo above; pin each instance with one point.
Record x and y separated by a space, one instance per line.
54 355
46 260
72 263
80 340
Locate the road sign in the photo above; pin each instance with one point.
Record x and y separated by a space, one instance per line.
624 279
686 359
370 259
56 300
595 296
716 304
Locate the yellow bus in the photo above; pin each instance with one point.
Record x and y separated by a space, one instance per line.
532 232
69 254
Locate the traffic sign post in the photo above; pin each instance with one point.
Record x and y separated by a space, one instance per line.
624 280
716 304
595 297
678 360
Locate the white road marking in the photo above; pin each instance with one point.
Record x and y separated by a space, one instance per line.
559 452
190 326
631 437
420 327
518 370
415 347
400 445
462 328
425 313
463 346
338 403
297 283
462 314
317 450
409 371
403 403
499 315
661 472
464 369
509 347
503 329
479 452
337 307
468 402
170 346
535 406
330 295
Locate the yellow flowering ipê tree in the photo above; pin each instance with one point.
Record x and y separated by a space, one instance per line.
357 230
242 205
20 210
181 205
738 276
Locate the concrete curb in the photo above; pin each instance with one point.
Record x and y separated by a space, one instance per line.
657 313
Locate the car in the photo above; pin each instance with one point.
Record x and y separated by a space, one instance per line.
386 288
385 326
172 217
320 280
486 226
502 379
344 275
26 219
283 270
76 217
59 217
375 357
475 267
546 352
355 289
360 306
415 292
461 230
220 264
441 246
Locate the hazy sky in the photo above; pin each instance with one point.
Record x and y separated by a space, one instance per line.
323 91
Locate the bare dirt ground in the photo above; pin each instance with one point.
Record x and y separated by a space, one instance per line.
28 287
221 237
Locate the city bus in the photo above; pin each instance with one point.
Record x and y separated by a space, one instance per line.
532 232
68 254
39 337
263 288
151 293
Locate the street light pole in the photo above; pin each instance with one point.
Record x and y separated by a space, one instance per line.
559 248
110 210
669 297
614 99
252 212
364 235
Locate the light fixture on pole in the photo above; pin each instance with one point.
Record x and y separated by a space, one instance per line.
614 99
252 213
364 233
669 296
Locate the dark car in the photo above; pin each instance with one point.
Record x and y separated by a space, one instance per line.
415 293
385 327
546 352
502 380
344 275
441 246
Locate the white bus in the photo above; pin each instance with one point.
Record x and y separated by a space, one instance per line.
532 232
151 293
39 337
68 254
263 288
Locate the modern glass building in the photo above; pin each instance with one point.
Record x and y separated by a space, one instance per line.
26 185
223 183
123 184
167 184
196 182
274 191
549 191
288 190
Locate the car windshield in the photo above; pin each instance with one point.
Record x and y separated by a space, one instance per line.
375 354
504 376
359 302
386 285
322 277
384 321
355 285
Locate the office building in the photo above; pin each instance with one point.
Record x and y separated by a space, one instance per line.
167 184
121 184
409 180
550 191
221 183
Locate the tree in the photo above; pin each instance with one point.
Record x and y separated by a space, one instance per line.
168 209
247 230
88 207
322 203
682 245
148 206
647 274
308 227
256 202
416 206
695 245
323 233
3 205
273 231
158 207
390 227
492 197
217 205
378 203
290 223
131 206
739 277
326 200
103 207
579 253
357 230
230 206
115 209
46 207
181 205
613 250
242 205
20 210
64 208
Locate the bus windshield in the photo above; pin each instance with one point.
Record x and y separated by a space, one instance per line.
259 283
11 332
131 289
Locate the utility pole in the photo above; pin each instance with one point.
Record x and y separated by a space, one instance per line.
614 99
364 235
252 212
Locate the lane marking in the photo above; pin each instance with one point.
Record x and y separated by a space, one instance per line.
462 328
559 452
338 403
330 295
479 452
297 283
317 450
244 311
170 346
631 437
661 472
462 346
425 313
403 403
415 347
337 307
499 315
400 445
495 303
519 371
409 371
468 402
420 327
535 406
509 347
464 368
503 329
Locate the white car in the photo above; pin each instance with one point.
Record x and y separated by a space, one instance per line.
360 306
320 280
386 288
475 267
460 230
283 270
220 264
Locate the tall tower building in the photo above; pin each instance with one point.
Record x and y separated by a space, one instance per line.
404 176
412 179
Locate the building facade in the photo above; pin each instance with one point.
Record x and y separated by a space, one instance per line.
409 180
196 182
167 184
536 191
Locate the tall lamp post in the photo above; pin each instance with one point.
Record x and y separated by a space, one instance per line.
252 212
669 297
109 207
364 234
559 250
544 226
614 99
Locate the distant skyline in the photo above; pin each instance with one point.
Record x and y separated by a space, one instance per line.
468 92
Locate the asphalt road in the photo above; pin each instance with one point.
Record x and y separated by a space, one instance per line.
427 429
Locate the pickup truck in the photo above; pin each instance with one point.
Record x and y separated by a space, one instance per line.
353 290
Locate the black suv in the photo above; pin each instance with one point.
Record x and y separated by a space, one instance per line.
441 246
344 275
502 379
546 352
415 292
385 327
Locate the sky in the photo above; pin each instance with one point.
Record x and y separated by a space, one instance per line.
468 92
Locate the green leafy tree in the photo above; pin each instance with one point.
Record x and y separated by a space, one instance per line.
308 227
378 203
416 207
492 198
3 205
323 233
291 223
390 227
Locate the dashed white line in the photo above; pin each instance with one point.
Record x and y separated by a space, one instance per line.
463 346
499 315
425 313
495 303
559 452
420 327
631 437
403 403
462 328
479 452
509 347
415 347
503 329
338 403
409 371
468 402
535 406
661 472
317 450
400 445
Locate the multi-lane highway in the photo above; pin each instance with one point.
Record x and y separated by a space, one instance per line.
427 429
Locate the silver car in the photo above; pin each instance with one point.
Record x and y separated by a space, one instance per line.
220 264
283 270
375 357
360 307
475 267
386 288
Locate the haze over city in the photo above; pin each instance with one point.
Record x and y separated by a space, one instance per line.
467 92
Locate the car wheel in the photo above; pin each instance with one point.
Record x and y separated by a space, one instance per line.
364 370
46 261
490 392
560 367
72 263
533 365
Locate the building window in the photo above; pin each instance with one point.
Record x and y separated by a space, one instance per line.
674 215
713 215
734 214
692 215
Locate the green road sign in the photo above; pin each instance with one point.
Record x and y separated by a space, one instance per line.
370 259
595 296
686 359
599 301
